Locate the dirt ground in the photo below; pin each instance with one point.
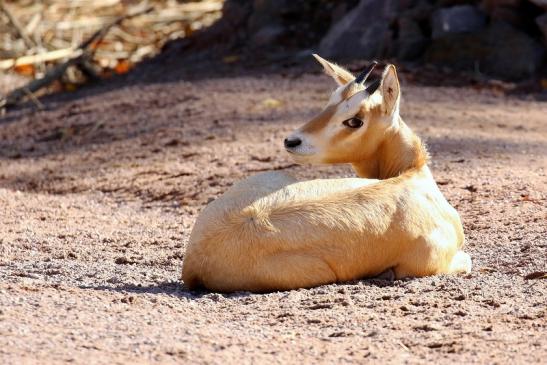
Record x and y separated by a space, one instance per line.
99 192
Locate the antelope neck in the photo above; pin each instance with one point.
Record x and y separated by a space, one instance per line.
399 151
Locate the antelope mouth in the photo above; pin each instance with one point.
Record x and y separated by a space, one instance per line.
301 156
301 151
297 153
297 145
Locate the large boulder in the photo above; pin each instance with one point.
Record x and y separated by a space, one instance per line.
508 11
265 25
265 14
364 32
411 42
457 19
541 22
499 50
540 3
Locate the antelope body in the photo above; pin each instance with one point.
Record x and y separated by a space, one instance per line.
272 232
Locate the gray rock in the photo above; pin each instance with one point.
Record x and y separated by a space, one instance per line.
267 35
505 10
420 11
540 3
499 50
541 22
341 9
364 32
265 12
489 4
411 42
457 19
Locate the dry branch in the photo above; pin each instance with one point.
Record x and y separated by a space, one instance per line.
58 71
16 25
39 58
86 35
18 94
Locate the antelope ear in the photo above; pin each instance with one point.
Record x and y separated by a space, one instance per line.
339 74
391 91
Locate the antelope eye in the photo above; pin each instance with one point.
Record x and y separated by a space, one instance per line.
353 123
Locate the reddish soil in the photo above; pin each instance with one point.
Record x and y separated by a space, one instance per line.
99 191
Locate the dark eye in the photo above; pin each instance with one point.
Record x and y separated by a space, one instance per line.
353 123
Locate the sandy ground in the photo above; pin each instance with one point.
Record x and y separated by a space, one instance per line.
99 191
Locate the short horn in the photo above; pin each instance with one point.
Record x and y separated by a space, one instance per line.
373 86
365 74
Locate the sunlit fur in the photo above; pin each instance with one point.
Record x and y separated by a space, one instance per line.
272 232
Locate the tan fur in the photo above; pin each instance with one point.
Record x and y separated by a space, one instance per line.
339 74
272 232
320 121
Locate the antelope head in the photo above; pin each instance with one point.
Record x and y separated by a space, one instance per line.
352 125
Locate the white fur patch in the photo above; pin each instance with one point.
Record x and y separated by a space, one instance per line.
350 107
306 148
336 96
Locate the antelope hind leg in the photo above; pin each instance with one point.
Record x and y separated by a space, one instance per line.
285 271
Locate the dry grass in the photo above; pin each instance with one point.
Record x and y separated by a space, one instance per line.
36 35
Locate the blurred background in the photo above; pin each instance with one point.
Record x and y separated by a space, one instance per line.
484 39
36 35
155 108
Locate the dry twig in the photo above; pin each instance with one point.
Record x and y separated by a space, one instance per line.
58 71
41 57
30 44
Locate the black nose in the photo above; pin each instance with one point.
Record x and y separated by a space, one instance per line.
292 142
